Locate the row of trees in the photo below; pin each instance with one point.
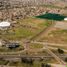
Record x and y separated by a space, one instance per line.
31 61
60 51
27 60
45 65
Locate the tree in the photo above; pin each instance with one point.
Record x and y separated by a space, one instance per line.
60 51
41 59
42 65
66 59
27 60
47 65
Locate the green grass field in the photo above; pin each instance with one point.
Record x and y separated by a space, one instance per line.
36 46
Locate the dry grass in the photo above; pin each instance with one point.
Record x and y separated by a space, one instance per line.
56 36
25 28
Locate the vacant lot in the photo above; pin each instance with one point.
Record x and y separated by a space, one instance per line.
61 25
56 36
25 28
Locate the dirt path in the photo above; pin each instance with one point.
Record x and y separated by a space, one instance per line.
38 36
44 32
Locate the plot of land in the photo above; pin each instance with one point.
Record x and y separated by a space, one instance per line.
61 25
56 36
25 28
36 46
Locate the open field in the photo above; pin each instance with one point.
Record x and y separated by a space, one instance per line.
25 28
3 62
56 36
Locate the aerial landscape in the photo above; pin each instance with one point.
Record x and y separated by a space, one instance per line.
33 33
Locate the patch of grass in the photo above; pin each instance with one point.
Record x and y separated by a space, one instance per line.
35 22
3 62
56 36
19 33
36 46
58 32
23 32
14 63
25 29
45 24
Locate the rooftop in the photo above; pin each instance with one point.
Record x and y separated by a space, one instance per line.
4 24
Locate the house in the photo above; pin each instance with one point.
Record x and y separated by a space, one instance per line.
4 25
12 45
65 19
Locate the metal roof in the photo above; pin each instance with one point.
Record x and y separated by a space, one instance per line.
4 24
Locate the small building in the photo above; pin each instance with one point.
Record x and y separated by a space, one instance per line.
1 43
4 25
65 19
12 45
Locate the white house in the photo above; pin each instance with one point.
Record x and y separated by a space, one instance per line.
4 25
65 19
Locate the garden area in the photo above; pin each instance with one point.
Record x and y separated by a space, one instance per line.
56 36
